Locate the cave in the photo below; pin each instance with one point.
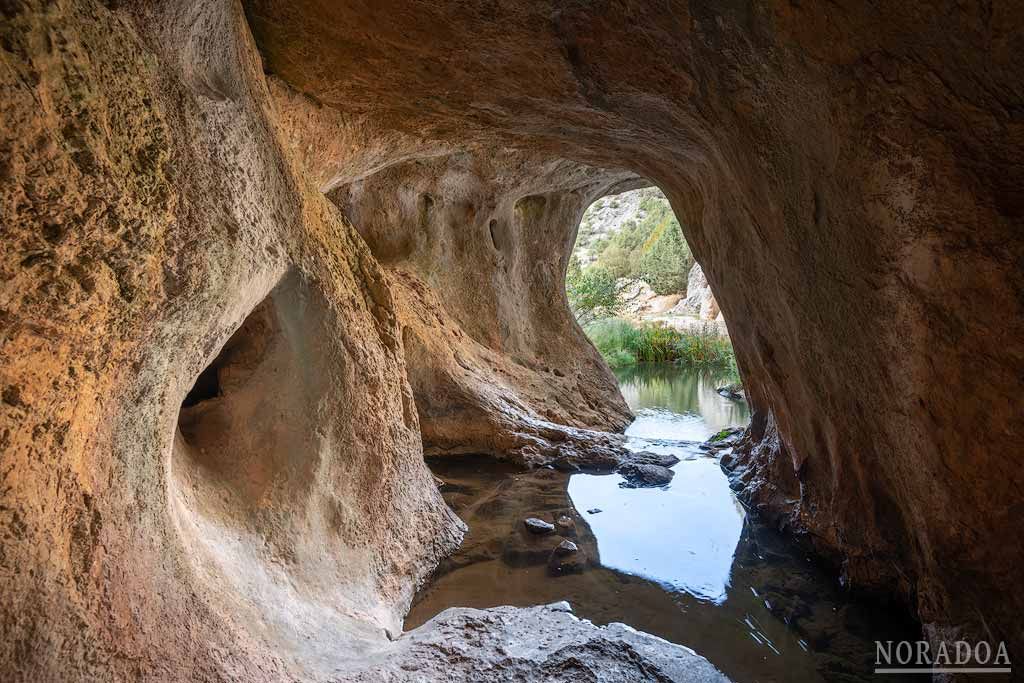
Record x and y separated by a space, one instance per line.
260 258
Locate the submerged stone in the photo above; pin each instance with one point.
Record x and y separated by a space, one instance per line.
567 558
566 548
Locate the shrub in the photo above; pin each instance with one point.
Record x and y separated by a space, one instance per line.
613 335
705 349
619 358
592 293
623 343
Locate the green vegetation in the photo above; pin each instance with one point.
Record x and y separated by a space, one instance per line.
721 435
652 249
623 343
592 292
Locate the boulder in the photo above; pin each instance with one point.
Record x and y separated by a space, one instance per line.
545 644
699 300
732 391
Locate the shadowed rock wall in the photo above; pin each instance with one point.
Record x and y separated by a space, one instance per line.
849 179
476 246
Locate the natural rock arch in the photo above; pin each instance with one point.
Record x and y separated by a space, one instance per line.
159 183
836 159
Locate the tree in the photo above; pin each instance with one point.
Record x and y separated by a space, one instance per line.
651 248
592 293
615 259
665 259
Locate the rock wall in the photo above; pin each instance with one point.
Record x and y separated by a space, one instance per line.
476 246
700 300
212 461
857 163
211 458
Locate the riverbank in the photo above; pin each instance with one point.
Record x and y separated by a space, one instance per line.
622 343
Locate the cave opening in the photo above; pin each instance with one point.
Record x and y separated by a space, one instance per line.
621 549
634 286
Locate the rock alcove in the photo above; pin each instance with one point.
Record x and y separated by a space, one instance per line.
361 234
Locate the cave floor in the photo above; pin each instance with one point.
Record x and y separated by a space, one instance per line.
685 561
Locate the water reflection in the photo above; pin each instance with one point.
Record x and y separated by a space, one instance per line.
682 536
684 563
673 403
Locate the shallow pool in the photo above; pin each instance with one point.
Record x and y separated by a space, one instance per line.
685 561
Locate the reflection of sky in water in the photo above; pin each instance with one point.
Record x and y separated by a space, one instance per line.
683 535
658 423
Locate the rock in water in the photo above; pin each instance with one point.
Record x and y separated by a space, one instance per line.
726 438
567 558
593 511
645 476
732 391
538 526
648 458
566 548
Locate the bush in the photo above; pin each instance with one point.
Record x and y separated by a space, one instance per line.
623 343
615 260
619 358
592 293
705 349
613 335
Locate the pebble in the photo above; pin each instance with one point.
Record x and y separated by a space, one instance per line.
538 526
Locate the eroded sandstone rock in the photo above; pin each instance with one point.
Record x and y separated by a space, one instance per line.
700 300
863 181
163 190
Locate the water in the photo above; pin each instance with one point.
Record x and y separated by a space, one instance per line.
685 561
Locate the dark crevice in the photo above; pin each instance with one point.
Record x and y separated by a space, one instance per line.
207 386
